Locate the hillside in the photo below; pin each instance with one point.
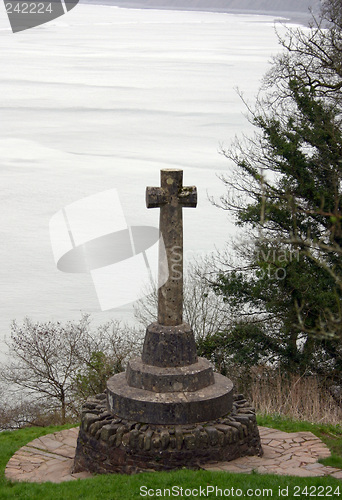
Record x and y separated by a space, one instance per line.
295 6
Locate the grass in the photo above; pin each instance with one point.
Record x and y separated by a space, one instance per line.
116 487
121 487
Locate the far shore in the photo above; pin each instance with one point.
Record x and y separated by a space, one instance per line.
292 17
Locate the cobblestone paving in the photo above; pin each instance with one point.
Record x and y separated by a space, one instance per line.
294 454
50 458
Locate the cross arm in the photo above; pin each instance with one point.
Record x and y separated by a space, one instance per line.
188 196
155 197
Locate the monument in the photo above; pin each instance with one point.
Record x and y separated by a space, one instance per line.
169 409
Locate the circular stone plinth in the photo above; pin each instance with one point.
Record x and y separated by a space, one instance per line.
169 345
183 378
183 407
108 443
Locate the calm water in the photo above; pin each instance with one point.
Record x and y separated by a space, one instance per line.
104 98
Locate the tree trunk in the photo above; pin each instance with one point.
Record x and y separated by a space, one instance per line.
63 407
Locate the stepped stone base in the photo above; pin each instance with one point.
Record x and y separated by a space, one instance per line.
187 378
169 407
108 443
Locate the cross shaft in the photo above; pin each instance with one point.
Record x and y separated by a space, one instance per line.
171 197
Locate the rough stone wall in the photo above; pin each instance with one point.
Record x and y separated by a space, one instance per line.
108 444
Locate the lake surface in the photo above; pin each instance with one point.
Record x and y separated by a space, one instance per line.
104 98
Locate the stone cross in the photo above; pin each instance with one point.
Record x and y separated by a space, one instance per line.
171 197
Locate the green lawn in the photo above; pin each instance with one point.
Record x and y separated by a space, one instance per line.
119 487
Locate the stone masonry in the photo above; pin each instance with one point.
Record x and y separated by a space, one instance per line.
108 443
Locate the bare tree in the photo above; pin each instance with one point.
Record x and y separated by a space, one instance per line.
57 366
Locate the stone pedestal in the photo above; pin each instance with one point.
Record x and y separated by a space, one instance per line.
169 384
108 443
168 410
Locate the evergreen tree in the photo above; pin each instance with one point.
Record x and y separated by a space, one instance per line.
285 189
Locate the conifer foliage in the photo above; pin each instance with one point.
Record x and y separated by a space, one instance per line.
284 188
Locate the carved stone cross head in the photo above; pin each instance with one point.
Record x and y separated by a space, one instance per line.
171 197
